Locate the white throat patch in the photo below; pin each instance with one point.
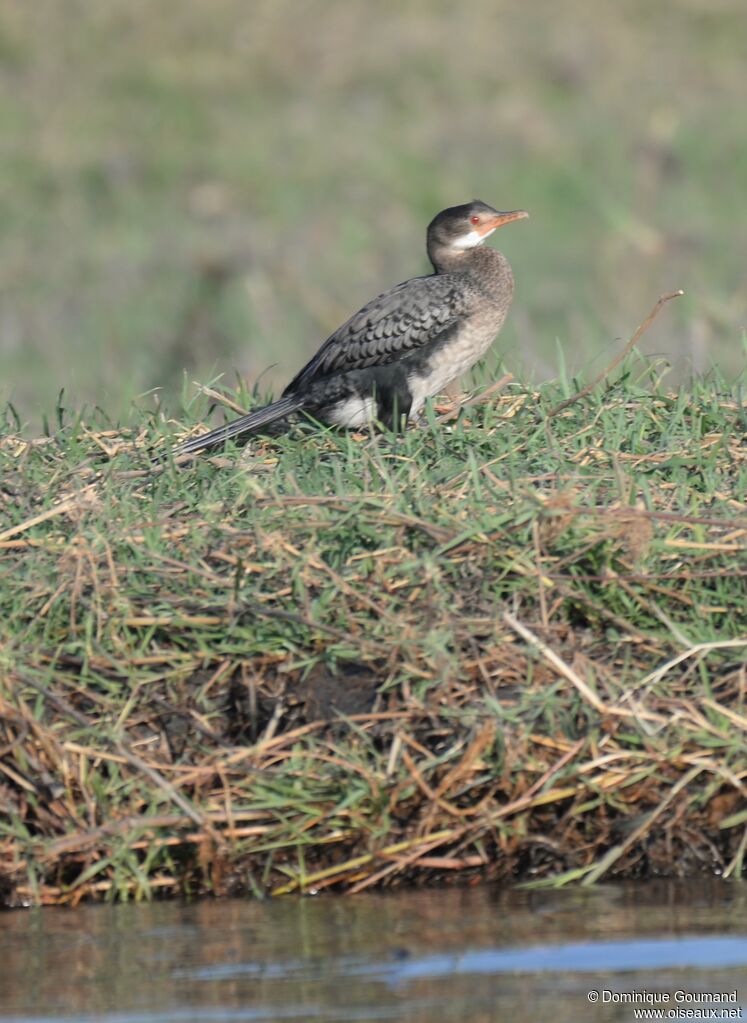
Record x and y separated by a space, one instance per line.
469 241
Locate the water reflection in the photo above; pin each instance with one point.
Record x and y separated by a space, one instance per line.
418 956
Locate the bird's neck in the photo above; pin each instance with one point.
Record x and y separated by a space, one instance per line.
481 262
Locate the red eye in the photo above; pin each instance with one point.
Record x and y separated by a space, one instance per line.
474 220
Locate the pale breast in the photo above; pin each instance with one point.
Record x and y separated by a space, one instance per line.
454 358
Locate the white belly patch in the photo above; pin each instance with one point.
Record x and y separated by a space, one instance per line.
353 412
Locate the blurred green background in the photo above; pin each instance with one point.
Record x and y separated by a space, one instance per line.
201 187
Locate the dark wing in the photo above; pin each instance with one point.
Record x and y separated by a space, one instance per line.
407 317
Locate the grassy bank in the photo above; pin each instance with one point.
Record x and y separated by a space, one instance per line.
510 645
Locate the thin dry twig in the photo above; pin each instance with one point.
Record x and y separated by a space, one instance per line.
68 505
157 778
618 358
614 854
477 399
422 842
693 651
222 399
557 662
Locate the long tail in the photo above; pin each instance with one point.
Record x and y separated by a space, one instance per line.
249 423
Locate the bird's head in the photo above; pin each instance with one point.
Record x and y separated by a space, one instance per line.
463 227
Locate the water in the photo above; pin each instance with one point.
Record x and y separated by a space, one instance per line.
426 957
